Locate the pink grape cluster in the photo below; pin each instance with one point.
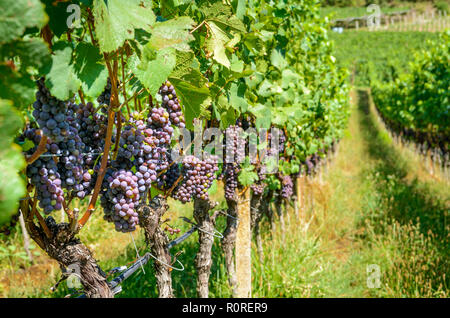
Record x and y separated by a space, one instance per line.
198 177
120 200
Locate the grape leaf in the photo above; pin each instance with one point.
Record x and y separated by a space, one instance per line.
153 72
17 15
277 59
194 99
12 186
31 52
172 33
57 13
90 70
215 44
61 79
16 87
116 22
247 176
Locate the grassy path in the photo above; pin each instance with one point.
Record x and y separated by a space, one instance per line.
376 208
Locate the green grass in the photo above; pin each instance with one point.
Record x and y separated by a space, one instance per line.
376 205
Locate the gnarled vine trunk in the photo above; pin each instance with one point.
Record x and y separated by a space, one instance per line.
228 243
150 220
203 259
279 209
74 258
257 209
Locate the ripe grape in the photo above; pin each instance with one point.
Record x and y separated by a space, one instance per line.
198 176
171 103
50 114
120 200
287 186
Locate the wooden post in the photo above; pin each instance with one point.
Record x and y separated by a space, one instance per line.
243 248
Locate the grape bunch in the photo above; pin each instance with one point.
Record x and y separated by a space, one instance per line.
171 230
171 103
143 145
198 175
230 173
120 200
287 187
50 114
168 179
258 187
44 175
281 141
105 96
234 155
91 128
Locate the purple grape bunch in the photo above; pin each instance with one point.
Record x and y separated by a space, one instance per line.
287 187
120 200
168 179
172 104
43 174
50 114
144 146
198 176
91 128
259 186
235 154
105 97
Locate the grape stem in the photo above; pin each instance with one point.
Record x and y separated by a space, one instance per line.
101 173
42 148
173 186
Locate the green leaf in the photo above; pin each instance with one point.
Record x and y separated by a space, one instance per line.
237 97
58 15
152 73
247 176
31 52
240 9
263 116
213 189
12 186
216 44
194 99
16 87
277 59
172 33
17 15
89 69
62 80
116 22
236 64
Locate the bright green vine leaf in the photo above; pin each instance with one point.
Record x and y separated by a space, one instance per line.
62 79
215 44
153 72
194 99
115 23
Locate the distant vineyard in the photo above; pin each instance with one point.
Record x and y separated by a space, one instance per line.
378 56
